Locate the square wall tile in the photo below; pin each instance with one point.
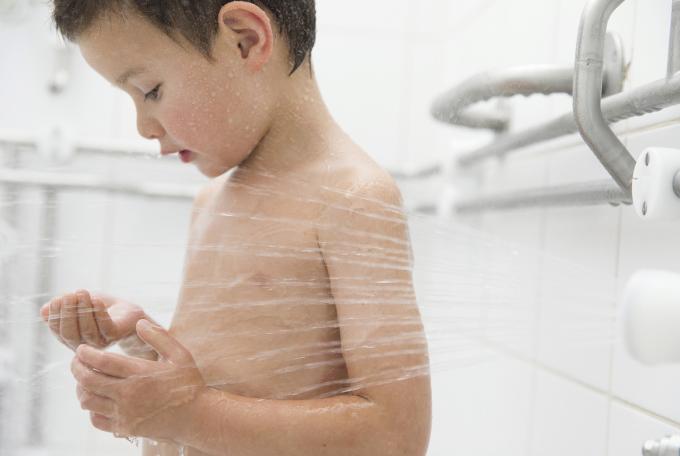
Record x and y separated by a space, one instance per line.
362 76
481 410
567 419
378 15
427 138
578 283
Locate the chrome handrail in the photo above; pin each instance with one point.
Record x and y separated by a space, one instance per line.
454 107
588 81
639 101
583 194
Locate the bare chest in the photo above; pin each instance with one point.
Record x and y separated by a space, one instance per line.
256 309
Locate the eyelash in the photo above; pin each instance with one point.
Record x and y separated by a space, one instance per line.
153 95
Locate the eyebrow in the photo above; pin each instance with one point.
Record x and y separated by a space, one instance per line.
123 78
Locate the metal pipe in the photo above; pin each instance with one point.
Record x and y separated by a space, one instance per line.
639 101
667 446
674 44
590 119
528 80
36 432
425 173
584 194
10 216
96 183
452 107
87 146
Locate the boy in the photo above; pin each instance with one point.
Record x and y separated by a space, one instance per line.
297 330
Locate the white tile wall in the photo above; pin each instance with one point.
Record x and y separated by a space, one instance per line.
547 279
629 428
567 419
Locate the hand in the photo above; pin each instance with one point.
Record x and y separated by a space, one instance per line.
97 320
132 397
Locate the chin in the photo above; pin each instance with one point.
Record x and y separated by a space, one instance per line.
213 171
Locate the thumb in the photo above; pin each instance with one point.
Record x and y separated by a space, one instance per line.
161 341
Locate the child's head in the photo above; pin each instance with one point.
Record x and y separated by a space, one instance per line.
206 76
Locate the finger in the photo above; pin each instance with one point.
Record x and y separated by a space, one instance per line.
103 319
112 364
55 318
98 404
45 312
93 381
101 422
68 323
86 322
161 341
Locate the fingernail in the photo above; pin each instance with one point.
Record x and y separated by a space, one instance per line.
146 324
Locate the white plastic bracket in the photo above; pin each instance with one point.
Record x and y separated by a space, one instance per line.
656 184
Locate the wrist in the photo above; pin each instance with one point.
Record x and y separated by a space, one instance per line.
193 419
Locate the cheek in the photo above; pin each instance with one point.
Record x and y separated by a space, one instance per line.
216 122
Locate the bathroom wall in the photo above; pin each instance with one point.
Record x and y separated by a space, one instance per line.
562 384
552 395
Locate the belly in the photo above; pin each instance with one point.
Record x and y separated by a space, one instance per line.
263 344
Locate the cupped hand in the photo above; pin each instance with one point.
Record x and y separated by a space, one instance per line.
95 320
132 397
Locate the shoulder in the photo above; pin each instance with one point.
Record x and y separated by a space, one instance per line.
358 181
364 197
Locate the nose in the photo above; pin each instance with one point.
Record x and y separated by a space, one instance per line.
148 126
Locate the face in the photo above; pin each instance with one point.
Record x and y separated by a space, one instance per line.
216 112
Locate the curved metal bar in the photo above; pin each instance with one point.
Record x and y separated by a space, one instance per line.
588 94
639 101
527 80
454 106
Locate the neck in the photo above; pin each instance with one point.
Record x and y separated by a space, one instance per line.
301 128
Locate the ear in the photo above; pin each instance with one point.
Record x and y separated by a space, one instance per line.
247 26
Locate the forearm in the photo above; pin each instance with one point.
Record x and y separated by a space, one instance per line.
219 423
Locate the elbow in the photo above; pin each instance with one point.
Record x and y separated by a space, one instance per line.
408 424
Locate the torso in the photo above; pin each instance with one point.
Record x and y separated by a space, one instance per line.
256 309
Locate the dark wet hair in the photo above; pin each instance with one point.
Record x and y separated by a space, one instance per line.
195 20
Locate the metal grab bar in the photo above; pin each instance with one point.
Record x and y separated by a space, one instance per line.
583 194
454 106
56 139
636 102
674 44
590 120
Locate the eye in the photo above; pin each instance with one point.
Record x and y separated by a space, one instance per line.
153 95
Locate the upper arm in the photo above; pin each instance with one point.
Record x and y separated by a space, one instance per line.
365 243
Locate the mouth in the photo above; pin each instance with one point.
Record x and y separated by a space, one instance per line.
186 155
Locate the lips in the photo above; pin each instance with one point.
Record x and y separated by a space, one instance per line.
186 156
